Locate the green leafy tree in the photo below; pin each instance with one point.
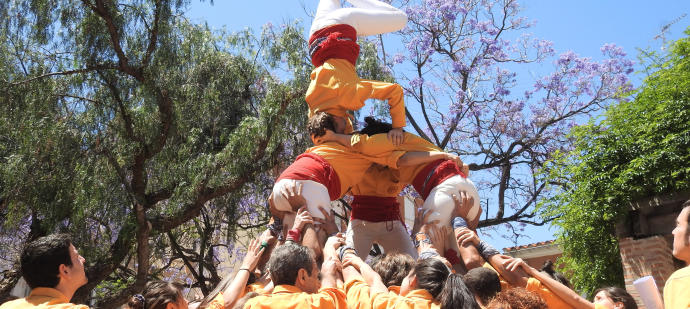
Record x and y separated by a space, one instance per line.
640 148
130 128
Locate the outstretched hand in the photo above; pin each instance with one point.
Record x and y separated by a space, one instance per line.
328 222
421 216
253 256
396 136
293 194
463 204
303 218
455 158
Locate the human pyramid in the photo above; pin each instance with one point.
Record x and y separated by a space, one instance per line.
303 260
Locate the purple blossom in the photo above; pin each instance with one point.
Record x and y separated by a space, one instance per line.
398 58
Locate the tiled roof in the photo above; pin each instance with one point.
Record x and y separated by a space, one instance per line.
534 245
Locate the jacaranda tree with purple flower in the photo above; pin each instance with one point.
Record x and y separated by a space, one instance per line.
463 70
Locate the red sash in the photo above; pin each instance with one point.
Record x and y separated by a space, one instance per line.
309 166
433 174
375 208
336 41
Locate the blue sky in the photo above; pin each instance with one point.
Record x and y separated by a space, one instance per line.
581 26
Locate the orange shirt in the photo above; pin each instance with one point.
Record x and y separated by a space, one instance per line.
291 297
416 299
47 298
335 88
351 166
551 299
357 292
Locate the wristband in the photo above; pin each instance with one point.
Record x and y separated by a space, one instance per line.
264 244
294 235
459 222
421 237
344 250
241 269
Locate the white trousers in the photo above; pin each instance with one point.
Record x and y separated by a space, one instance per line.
315 193
368 17
440 199
391 235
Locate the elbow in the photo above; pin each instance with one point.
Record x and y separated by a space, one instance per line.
472 262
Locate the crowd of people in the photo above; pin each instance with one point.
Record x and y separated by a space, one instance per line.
280 271
305 260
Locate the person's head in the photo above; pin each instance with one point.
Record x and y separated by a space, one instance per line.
392 267
484 283
681 234
517 298
159 295
433 275
374 126
614 298
549 270
53 262
293 264
319 123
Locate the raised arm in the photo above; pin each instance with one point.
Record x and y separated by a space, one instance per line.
371 277
565 293
414 158
234 290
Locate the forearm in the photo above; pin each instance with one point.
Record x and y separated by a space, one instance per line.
565 293
235 288
413 158
372 279
351 273
393 93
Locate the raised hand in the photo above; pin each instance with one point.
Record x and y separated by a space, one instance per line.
303 218
254 252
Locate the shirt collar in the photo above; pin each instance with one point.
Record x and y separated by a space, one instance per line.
286 288
51 293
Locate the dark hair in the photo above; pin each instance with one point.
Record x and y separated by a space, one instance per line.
41 260
618 295
517 298
455 294
242 301
319 123
157 295
483 282
435 277
392 267
287 260
374 126
548 269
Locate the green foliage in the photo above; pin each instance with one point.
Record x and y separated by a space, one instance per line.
112 108
640 148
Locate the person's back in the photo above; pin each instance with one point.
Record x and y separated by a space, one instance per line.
677 288
54 270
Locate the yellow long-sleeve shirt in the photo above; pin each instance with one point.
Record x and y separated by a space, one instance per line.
351 166
291 297
386 182
47 298
335 88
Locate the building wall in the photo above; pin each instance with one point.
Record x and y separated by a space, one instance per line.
642 257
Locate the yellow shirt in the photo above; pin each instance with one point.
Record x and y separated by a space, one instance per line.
217 303
291 297
415 299
357 292
677 290
351 166
48 298
551 299
386 182
335 88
